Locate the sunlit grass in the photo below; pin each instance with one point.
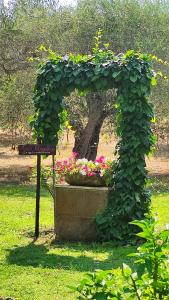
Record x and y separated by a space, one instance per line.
43 270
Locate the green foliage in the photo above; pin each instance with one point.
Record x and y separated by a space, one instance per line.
151 261
147 280
16 104
131 73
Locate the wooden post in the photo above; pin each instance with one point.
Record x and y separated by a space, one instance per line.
37 196
38 181
38 149
54 178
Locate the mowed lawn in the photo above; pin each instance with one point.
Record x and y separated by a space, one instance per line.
45 269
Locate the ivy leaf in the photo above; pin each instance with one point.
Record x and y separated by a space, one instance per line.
133 78
58 77
76 72
115 74
105 72
137 196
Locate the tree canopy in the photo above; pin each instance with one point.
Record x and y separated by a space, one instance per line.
125 24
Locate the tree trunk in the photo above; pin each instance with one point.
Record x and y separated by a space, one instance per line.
86 144
99 106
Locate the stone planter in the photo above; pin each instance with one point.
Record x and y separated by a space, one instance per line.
75 208
80 180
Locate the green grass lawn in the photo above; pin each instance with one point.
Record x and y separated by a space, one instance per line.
43 270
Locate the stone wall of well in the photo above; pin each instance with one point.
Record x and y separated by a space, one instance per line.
75 208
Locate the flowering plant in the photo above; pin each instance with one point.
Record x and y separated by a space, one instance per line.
83 167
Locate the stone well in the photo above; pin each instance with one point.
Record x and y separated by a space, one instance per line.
75 208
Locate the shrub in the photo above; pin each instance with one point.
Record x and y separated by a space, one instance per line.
147 280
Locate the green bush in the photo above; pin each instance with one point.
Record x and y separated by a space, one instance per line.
148 279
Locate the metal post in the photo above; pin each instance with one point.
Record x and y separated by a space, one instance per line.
54 178
38 149
38 195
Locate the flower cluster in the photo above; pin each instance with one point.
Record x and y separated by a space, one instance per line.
81 166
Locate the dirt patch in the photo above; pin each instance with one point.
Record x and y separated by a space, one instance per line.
19 167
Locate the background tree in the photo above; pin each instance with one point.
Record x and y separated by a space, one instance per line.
16 105
126 24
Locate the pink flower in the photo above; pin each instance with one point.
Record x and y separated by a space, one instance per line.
90 174
74 154
82 166
85 168
100 159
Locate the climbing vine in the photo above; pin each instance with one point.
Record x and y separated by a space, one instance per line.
132 75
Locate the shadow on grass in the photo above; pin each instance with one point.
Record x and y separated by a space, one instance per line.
95 247
159 184
39 256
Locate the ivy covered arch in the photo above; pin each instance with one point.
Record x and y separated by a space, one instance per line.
132 75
